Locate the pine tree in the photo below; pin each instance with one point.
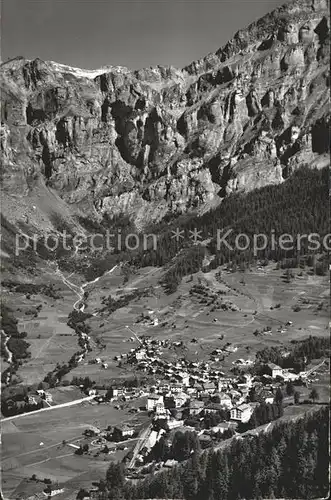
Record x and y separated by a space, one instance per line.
289 388
274 471
190 482
205 491
221 477
115 479
279 396
314 394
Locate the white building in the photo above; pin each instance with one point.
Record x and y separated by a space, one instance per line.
231 348
163 387
269 399
170 463
196 407
185 378
242 413
180 399
140 355
249 379
153 400
175 388
160 409
117 392
275 370
209 387
48 397
125 431
54 492
287 375
225 400
173 423
222 427
224 383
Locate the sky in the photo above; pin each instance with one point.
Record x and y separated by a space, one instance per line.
134 33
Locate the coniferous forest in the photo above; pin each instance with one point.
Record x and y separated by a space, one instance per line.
295 207
290 461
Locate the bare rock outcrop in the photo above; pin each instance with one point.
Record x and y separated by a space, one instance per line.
146 142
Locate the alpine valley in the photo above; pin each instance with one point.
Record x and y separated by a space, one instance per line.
174 367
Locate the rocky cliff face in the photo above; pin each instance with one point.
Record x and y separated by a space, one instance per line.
147 142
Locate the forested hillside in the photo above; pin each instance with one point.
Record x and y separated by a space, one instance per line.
298 206
289 462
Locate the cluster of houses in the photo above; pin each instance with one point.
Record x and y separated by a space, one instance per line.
206 398
120 432
98 361
184 382
147 358
46 493
198 394
193 395
171 403
185 389
40 395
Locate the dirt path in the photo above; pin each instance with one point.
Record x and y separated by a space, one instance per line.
52 458
62 405
37 450
80 290
7 350
46 344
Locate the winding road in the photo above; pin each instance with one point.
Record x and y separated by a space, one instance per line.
80 290
7 350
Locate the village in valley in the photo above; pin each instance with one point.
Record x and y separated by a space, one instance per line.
165 250
158 379
195 397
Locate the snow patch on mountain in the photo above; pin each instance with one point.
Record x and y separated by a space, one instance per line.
86 73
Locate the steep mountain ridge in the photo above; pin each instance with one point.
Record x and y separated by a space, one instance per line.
148 142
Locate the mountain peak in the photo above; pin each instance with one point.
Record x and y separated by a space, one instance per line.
161 140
